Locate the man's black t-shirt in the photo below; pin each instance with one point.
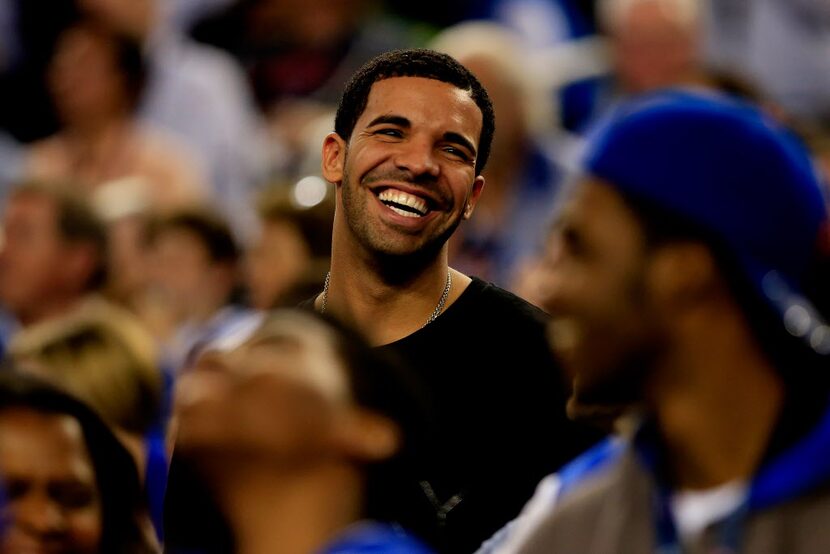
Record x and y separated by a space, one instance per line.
500 413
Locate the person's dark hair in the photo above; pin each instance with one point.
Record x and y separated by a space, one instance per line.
415 62
77 222
128 56
115 471
208 227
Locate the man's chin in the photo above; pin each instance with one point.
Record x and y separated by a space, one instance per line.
597 414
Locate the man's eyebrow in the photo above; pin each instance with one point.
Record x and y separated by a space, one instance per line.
458 139
390 119
401 121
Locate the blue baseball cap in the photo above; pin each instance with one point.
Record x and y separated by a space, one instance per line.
735 172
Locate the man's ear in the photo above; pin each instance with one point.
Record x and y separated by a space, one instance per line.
366 436
334 158
683 271
475 194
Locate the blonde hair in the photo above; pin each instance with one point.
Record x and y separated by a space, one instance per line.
102 355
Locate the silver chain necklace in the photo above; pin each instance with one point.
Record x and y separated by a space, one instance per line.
433 316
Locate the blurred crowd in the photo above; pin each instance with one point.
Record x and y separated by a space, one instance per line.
161 193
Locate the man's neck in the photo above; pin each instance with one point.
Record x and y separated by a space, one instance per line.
716 406
388 308
293 513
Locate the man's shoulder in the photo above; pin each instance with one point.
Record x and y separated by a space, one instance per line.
597 476
489 301
613 492
497 321
549 494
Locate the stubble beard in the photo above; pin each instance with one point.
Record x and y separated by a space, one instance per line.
388 252
620 380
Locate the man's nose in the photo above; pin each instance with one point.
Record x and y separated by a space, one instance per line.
38 515
553 281
418 157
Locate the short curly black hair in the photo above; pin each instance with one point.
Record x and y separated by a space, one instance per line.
415 62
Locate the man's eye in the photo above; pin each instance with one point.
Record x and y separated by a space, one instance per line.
15 488
457 152
73 496
389 132
573 242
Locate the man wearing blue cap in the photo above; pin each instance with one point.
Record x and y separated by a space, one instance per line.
681 286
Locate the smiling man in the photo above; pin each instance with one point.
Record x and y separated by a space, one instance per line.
405 161
687 279
412 136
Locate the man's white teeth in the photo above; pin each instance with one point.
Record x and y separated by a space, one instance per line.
403 199
403 212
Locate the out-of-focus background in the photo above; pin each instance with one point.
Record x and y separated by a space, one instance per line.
151 105
159 159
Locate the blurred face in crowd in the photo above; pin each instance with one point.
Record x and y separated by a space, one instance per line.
407 178
309 23
282 399
276 262
652 48
84 79
604 327
52 500
182 272
33 258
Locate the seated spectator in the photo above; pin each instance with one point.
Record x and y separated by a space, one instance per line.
289 261
306 438
69 485
54 253
193 284
102 355
96 77
200 95
653 44
125 208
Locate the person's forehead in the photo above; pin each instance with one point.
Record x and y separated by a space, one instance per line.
56 439
595 204
402 95
298 348
24 418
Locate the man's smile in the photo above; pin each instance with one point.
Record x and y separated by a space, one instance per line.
403 203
